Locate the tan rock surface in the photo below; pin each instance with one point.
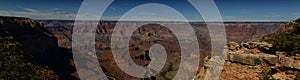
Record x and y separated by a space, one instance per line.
234 71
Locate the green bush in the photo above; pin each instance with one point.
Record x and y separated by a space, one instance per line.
14 65
267 75
297 76
287 39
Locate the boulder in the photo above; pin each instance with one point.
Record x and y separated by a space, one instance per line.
249 59
270 59
233 46
259 45
290 62
253 59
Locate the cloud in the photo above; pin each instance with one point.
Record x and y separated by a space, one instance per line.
230 17
55 9
30 10
112 8
58 14
55 14
139 15
36 14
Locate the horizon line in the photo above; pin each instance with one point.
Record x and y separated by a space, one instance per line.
162 21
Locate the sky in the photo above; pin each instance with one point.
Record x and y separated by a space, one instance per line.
231 10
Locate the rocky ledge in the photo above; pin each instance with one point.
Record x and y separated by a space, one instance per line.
255 53
38 46
253 61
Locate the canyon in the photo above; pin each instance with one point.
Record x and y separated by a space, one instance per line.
49 44
147 35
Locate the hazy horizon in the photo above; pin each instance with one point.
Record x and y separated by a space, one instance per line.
231 10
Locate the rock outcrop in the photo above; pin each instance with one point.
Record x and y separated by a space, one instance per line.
37 42
290 62
250 53
249 60
253 53
35 39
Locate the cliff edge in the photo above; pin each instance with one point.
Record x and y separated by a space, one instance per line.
30 43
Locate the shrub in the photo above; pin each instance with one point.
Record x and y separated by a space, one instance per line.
14 65
287 39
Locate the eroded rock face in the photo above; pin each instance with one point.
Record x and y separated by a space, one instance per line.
234 71
259 45
249 61
283 76
252 59
35 39
233 46
38 43
249 53
246 54
231 71
235 31
290 62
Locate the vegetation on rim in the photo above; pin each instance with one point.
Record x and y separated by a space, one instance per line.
287 39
